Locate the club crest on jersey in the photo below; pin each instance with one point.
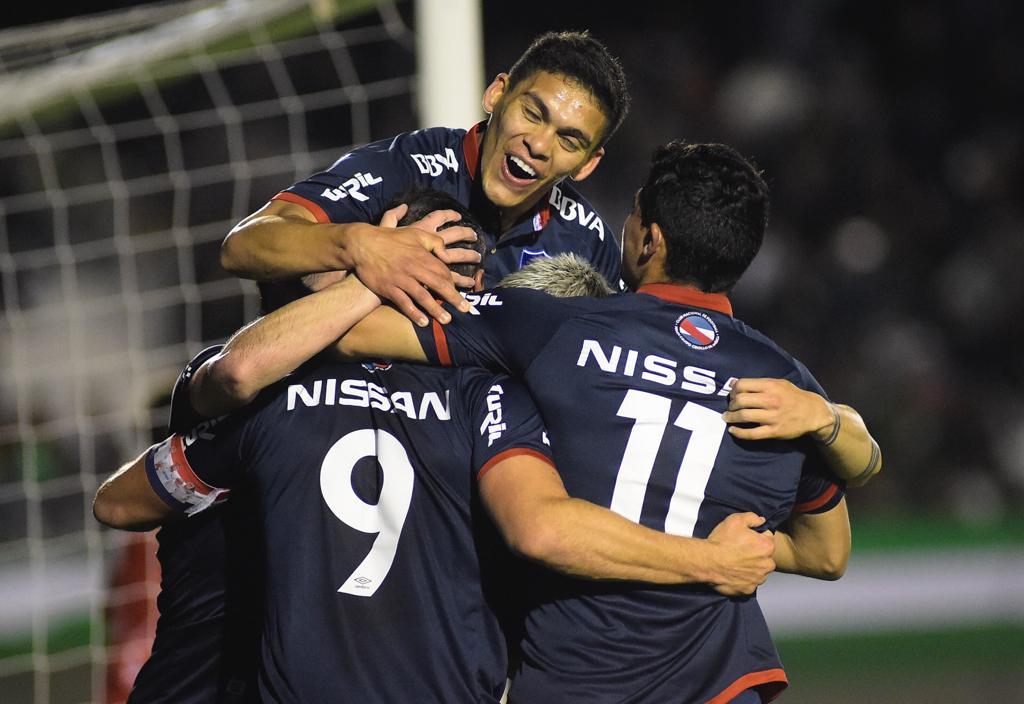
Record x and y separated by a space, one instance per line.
377 366
697 330
529 255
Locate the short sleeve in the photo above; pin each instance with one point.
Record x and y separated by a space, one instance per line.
505 330
504 422
358 186
818 491
183 416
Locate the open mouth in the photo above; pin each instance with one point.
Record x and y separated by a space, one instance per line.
519 168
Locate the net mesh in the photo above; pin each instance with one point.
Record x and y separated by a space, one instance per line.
130 143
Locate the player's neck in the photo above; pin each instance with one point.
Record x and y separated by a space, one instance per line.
510 217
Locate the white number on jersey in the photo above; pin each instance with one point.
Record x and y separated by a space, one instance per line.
386 517
650 418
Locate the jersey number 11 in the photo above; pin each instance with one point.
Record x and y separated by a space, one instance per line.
650 413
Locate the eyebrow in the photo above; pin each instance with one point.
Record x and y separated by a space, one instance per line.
545 114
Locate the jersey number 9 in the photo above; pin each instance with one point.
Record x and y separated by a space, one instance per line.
386 517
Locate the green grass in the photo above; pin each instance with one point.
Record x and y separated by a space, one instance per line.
914 533
61 636
903 654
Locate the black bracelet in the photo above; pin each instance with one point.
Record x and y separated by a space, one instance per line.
836 425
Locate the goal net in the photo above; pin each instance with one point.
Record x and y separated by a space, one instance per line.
130 143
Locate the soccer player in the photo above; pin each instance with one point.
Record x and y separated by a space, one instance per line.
447 619
550 118
633 389
211 576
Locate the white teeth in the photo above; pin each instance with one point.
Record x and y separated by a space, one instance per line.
523 165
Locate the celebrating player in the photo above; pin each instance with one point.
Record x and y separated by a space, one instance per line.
426 632
550 118
633 389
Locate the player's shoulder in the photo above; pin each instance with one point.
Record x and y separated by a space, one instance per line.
779 362
444 143
572 213
533 302
183 416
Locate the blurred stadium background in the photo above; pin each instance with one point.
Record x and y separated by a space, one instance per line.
891 133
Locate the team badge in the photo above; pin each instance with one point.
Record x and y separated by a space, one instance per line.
377 366
697 331
529 255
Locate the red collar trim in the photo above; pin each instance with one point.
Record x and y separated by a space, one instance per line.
471 147
471 144
688 296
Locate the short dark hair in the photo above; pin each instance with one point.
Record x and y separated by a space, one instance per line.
712 207
584 60
423 201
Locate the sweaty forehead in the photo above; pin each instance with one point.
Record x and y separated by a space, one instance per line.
556 87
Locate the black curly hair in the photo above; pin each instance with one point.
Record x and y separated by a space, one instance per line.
712 207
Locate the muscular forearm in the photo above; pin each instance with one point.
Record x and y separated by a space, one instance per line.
273 246
269 348
815 545
585 540
848 447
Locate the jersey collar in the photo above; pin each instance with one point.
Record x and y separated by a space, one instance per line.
471 144
688 296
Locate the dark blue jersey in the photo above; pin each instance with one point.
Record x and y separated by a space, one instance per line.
365 477
207 637
632 389
360 184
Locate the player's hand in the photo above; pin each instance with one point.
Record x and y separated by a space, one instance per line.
777 410
409 263
743 555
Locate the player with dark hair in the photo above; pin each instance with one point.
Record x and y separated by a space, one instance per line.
426 633
633 389
549 121
211 575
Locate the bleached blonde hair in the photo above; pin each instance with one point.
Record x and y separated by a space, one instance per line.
562 276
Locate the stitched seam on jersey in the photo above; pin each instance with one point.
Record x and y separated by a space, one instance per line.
818 502
776 675
314 209
505 454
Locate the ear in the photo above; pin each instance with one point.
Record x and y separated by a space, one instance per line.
478 277
588 166
494 92
654 240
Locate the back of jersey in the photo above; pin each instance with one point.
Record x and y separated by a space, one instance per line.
632 390
365 478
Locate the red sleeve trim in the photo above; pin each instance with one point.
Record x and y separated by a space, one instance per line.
177 448
502 456
441 343
319 213
775 678
818 502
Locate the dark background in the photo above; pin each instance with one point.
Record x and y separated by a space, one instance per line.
891 136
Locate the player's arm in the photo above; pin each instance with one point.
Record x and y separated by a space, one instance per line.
126 500
778 409
184 474
383 333
283 239
815 544
540 521
271 347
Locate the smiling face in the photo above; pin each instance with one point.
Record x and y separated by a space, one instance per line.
540 131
